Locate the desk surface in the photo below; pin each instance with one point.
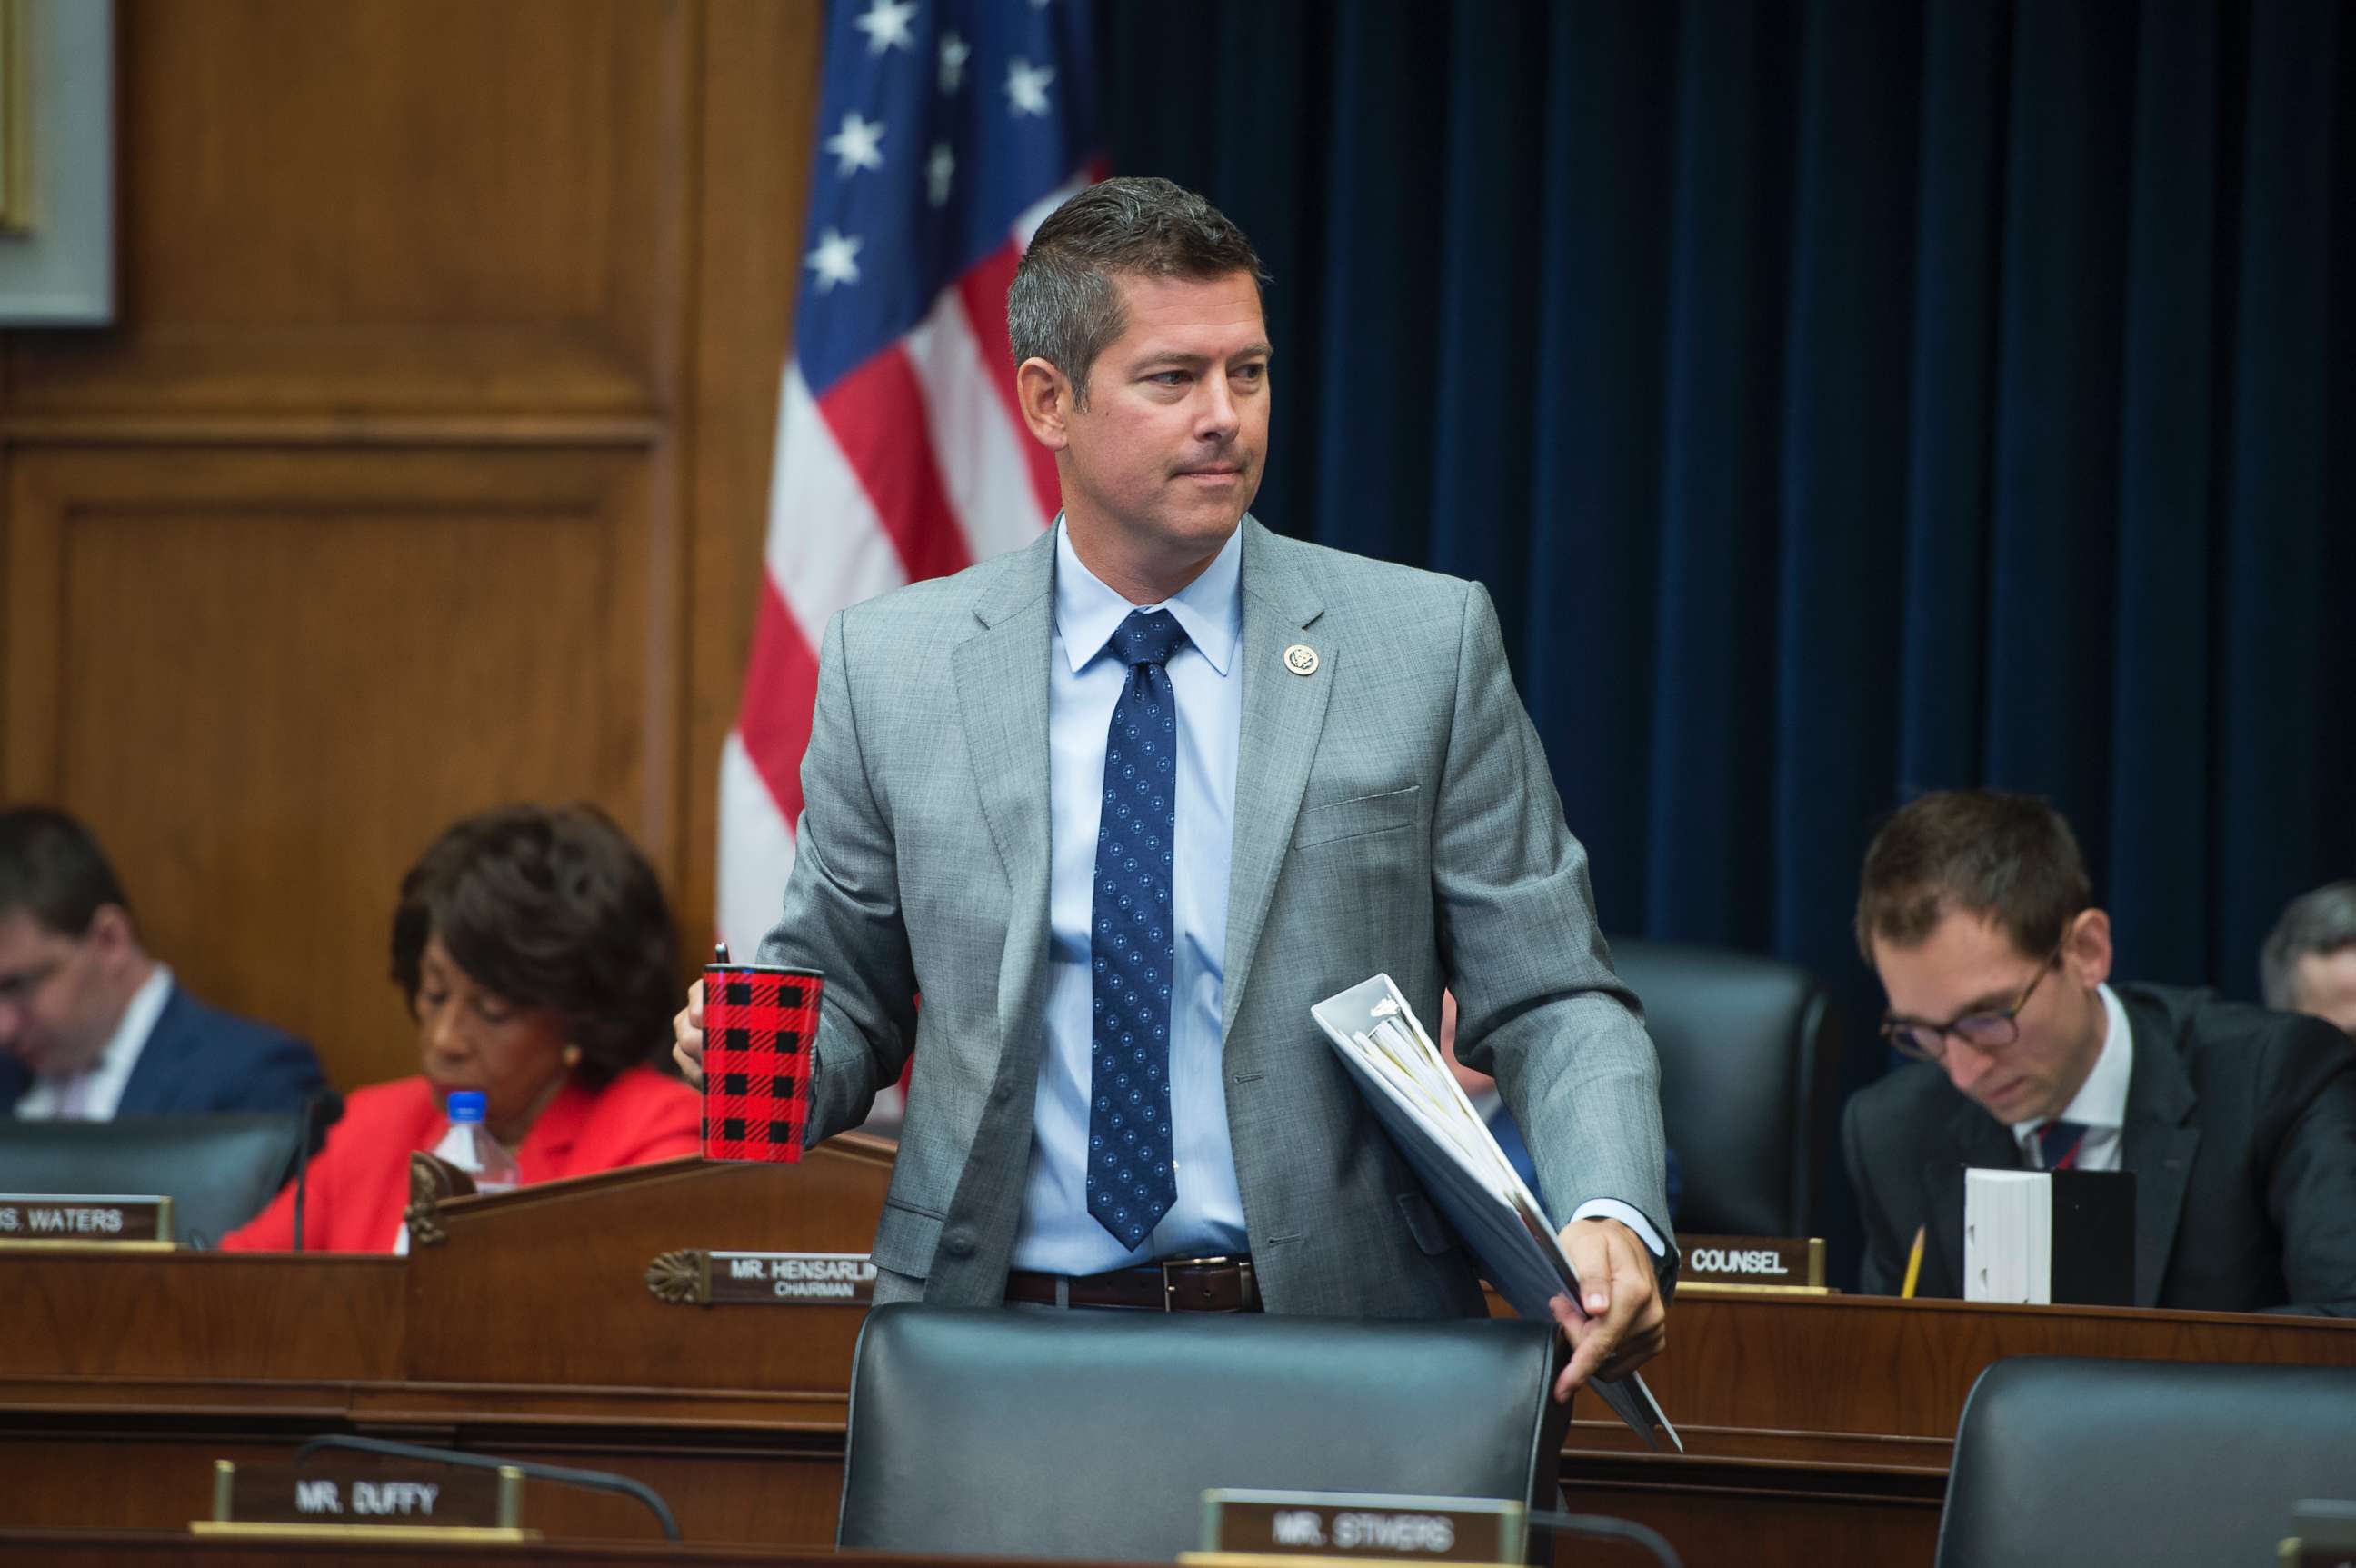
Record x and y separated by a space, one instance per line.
1818 1428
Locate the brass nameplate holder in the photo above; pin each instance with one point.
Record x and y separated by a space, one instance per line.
339 1499
695 1277
43 1219
1243 1528
2326 1538
432 1181
1766 1265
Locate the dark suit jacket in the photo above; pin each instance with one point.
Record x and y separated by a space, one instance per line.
200 1060
2241 1131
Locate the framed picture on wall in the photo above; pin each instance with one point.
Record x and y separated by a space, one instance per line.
57 163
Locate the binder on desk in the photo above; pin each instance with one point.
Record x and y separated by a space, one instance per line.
1426 1112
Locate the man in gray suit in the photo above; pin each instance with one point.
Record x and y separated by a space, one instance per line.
1123 804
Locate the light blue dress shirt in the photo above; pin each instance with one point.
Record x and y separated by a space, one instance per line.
1057 1235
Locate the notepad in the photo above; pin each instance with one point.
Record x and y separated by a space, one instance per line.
1406 1082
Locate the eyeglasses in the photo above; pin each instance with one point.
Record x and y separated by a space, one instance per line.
1984 1031
17 989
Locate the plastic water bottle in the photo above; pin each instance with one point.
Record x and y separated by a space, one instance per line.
469 1145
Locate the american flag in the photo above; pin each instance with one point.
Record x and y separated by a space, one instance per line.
948 129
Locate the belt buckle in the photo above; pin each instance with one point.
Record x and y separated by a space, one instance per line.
1170 1282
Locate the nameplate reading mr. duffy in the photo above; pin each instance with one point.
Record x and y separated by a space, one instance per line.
347 1498
695 1277
44 1219
1336 1524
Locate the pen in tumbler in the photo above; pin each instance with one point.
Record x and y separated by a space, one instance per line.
720 953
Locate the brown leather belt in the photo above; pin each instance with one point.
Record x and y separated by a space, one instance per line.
1175 1284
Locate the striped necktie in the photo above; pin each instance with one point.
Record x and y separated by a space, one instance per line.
2057 1144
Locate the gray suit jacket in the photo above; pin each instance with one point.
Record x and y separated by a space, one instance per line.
1394 812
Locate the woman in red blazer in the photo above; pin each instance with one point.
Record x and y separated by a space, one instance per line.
538 960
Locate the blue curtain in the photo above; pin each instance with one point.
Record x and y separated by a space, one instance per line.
1841 399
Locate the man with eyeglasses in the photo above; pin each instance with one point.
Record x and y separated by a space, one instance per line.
91 1027
2238 1123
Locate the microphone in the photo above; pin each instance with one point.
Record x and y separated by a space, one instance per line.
594 1480
303 1160
1601 1527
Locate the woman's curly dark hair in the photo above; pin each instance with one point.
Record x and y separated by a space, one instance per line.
550 908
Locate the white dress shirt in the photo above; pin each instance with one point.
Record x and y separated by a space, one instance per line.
2101 1103
92 1094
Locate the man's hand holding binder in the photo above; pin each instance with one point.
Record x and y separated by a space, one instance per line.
1623 1323
1618 1321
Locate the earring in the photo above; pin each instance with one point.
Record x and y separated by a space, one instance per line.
571 1057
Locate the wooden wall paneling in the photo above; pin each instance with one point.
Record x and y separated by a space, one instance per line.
446 233
386 208
277 673
758 75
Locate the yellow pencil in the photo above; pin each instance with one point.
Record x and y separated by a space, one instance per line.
1913 1265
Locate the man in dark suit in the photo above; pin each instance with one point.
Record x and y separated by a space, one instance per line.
91 1027
2238 1123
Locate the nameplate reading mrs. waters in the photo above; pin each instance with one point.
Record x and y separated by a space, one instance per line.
695 1277
45 1219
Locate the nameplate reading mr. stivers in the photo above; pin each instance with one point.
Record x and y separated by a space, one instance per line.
45 1219
1333 1524
694 1277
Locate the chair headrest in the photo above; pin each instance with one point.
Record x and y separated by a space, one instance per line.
1080 1433
218 1171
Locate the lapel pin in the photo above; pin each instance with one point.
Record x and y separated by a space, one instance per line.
1301 658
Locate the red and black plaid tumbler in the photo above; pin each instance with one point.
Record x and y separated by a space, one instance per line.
760 1025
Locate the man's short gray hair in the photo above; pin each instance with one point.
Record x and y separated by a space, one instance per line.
1064 306
2323 921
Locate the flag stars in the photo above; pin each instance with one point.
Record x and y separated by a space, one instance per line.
1026 87
835 261
940 174
955 52
858 145
885 22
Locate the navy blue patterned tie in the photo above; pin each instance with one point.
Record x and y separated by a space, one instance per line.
1130 1182
2057 1144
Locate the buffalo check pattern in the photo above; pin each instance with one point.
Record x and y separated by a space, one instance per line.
758 1027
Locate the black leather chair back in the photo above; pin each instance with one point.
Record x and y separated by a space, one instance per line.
2063 1461
218 1171
1749 1054
1093 1434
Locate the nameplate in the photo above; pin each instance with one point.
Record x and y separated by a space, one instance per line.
1339 1524
46 1218
2326 1538
2297 1553
695 1277
1768 1262
341 1490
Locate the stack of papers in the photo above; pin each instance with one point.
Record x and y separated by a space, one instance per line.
2008 1236
1425 1111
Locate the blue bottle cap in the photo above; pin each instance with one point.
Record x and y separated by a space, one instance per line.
465 1105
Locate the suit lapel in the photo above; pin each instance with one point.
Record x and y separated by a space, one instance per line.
1002 684
159 1059
1974 1140
1283 716
2156 1144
